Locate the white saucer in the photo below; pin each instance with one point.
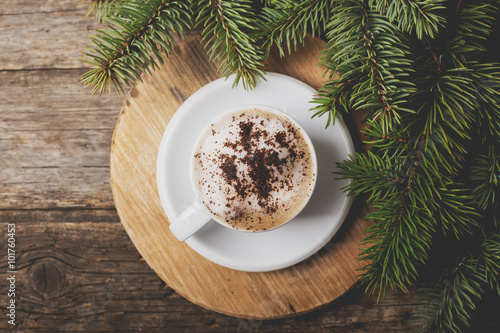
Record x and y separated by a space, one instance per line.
279 248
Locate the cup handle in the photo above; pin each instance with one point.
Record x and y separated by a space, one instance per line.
190 221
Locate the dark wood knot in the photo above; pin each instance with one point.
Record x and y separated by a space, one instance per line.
47 279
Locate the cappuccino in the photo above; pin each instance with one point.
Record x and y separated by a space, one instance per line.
254 169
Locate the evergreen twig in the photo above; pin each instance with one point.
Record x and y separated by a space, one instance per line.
101 8
368 66
228 27
133 41
287 22
424 17
453 296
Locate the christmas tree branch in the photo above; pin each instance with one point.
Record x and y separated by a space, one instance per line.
487 89
370 76
445 117
287 22
424 193
424 18
491 260
452 297
101 8
400 240
410 205
475 22
486 172
135 36
229 27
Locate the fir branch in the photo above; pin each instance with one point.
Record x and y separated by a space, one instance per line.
135 36
398 245
371 57
454 210
475 22
486 172
411 204
425 196
451 299
423 17
491 260
445 117
287 22
487 90
399 242
101 8
371 174
392 144
333 99
229 27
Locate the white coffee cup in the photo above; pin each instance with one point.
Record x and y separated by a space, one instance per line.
198 214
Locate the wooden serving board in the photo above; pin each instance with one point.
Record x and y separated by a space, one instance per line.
145 114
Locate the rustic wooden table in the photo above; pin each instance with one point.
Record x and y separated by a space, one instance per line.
77 270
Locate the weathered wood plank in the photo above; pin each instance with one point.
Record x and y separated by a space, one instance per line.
55 148
13 7
55 187
55 141
59 215
44 40
58 120
53 93
89 276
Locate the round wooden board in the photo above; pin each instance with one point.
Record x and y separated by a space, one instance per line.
145 114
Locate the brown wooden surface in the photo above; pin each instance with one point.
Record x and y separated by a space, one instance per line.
265 295
77 268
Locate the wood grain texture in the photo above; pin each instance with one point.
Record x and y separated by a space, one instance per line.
40 40
16 7
79 271
87 276
144 117
55 141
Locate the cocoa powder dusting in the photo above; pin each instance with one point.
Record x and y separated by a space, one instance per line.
263 164
260 165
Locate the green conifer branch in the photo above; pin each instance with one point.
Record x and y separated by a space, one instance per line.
475 20
371 60
485 174
452 297
434 142
491 260
438 133
287 22
399 241
411 204
487 90
424 17
228 30
445 117
101 8
487 171
133 41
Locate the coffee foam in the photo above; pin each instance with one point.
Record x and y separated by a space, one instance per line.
253 170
